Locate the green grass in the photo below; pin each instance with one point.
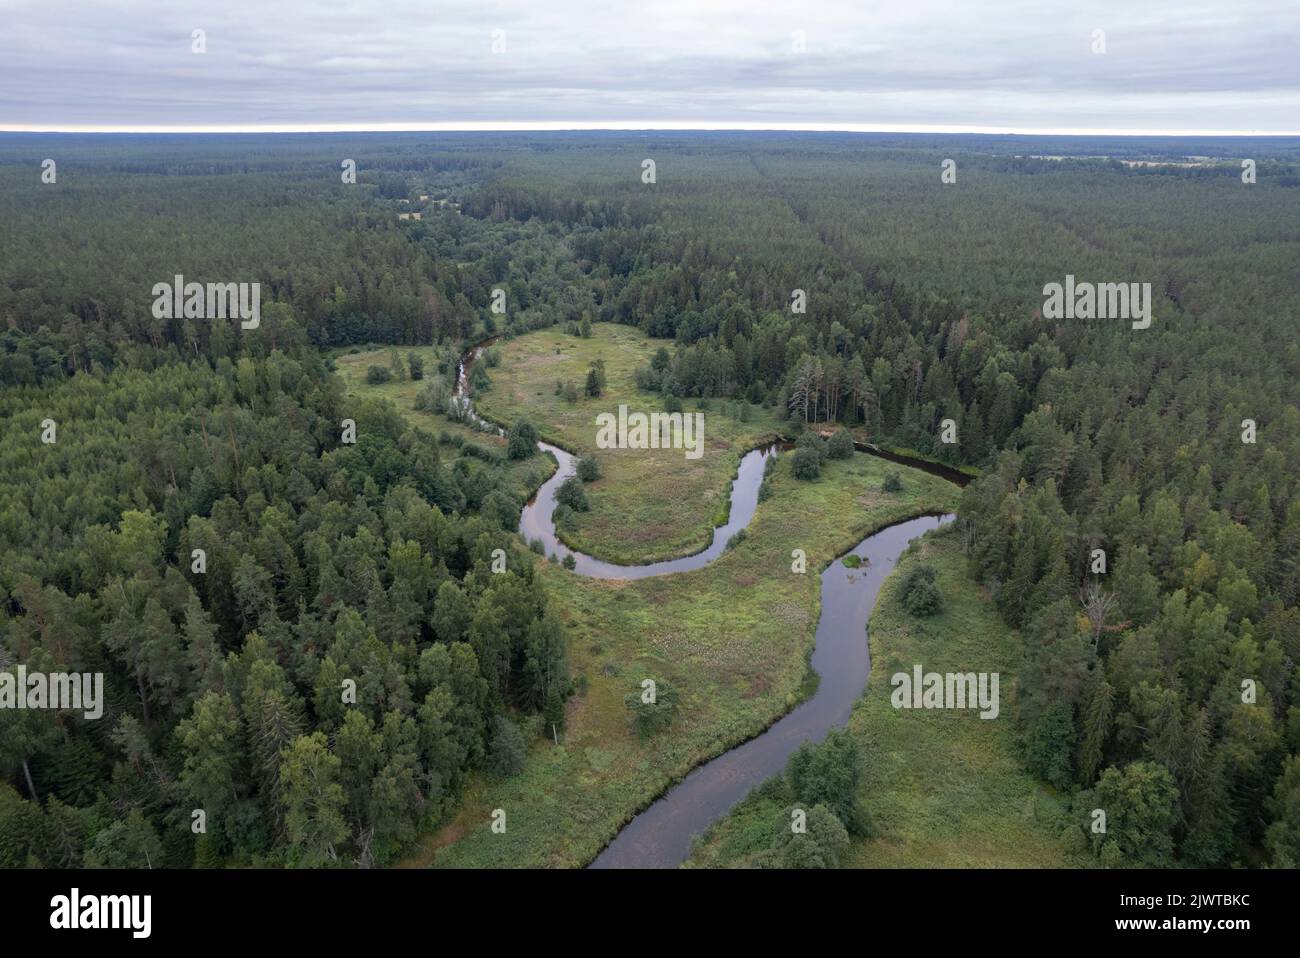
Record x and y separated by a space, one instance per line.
525 475
649 504
733 637
943 788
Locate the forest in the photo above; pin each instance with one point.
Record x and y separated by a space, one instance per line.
1141 536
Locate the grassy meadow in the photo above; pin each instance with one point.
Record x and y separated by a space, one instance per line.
650 504
943 788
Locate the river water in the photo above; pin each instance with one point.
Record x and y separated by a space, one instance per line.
661 836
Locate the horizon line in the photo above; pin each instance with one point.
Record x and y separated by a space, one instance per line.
562 126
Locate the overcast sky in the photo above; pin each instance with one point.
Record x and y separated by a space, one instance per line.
1019 65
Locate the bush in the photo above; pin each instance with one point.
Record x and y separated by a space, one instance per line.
588 469
523 440
433 396
810 440
569 562
646 379
893 483
650 717
416 364
377 375
478 378
821 845
765 490
840 445
828 774
920 594
672 404
1048 745
735 540
570 392
807 463
492 357
572 494
507 751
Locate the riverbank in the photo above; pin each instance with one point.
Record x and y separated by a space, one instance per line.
943 788
649 505
734 638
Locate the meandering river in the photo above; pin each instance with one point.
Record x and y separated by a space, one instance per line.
661 836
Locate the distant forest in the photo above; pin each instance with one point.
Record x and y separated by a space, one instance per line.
1170 680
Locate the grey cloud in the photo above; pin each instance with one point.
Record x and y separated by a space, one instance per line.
1013 63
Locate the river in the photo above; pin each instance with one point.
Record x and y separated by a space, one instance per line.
661 836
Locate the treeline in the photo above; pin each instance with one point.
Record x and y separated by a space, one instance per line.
308 644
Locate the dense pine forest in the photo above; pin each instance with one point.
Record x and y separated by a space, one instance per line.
183 509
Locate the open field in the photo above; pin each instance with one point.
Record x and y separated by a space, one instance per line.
943 788
650 504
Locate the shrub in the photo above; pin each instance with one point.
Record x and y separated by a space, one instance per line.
523 440
810 440
893 482
507 751
920 594
572 494
765 490
672 404
651 717
377 375
478 378
646 378
588 469
1048 745
821 845
569 562
840 445
807 463
416 364
735 540
433 396
828 774
492 357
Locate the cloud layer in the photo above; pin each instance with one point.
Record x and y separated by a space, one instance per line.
1168 65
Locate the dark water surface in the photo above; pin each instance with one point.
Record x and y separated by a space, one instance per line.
660 837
